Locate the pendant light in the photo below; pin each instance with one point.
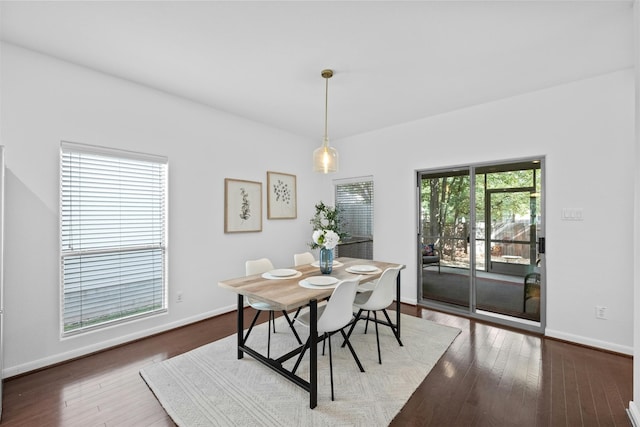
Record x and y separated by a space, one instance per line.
325 158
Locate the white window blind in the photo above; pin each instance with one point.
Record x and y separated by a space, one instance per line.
112 234
354 198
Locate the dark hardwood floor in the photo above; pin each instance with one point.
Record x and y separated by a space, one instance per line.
490 376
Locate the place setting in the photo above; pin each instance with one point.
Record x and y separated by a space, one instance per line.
281 273
319 282
335 264
363 269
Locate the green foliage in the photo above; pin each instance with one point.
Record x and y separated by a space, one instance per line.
326 218
445 199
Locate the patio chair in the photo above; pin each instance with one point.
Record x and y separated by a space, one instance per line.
430 256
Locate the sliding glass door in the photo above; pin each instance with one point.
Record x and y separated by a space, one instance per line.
480 239
444 238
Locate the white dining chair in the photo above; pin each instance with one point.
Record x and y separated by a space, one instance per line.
333 318
378 298
260 266
303 258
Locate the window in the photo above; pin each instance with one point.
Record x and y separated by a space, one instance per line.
354 199
112 235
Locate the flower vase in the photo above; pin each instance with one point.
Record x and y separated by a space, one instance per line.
326 260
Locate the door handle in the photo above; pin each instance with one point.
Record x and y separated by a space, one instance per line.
541 245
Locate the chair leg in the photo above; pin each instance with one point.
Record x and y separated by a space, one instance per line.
375 316
394 329
326 336
273 319
353 325
376 321
353 353
366 325
253 322
286 315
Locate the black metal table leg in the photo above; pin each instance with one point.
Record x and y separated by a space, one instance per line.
313 354
240 325
398 307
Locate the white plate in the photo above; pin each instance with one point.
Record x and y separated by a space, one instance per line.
349 270
272 277
322 280
308 285
364 268
283 272
335 264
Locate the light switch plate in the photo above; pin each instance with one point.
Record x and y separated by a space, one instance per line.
572 214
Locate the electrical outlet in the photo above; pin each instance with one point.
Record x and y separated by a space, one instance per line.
179 297
601 312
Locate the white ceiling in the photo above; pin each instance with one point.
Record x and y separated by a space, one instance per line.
394 61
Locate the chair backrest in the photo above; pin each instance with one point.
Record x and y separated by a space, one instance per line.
258 266
383 293
339 310
304 258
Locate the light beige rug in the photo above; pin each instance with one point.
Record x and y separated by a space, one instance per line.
209 386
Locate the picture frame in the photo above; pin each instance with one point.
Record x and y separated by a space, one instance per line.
282 196
242 206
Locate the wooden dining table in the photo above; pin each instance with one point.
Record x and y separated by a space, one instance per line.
287 294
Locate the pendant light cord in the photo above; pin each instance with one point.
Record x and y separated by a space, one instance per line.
326 108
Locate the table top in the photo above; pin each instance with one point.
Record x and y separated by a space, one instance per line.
287 294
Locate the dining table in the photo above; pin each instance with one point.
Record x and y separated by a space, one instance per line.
292 291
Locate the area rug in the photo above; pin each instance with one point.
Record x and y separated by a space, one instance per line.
209 386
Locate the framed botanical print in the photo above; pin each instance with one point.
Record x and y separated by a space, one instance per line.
282 198
242 206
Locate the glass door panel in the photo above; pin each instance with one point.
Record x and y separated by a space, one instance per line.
444 237
507 221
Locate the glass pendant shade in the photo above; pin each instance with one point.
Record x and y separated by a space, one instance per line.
325 158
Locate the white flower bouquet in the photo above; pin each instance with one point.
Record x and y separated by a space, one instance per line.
326 238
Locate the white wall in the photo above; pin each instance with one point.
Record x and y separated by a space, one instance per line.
585 131
45 101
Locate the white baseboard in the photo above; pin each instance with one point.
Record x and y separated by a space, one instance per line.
411 301
605 345
634 414
11 371
33 365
